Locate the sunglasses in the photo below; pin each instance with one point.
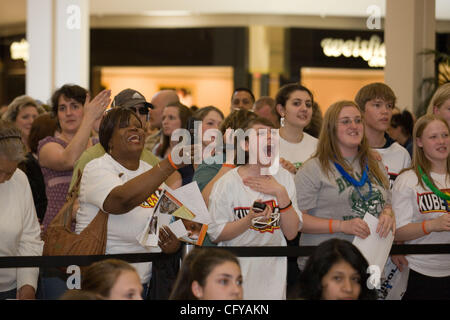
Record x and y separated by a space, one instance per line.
141 110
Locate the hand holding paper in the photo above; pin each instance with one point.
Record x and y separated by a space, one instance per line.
374 248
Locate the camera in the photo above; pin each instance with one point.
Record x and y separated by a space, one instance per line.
259 206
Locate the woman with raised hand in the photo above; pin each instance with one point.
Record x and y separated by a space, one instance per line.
76 115
126 188
342 182
420 202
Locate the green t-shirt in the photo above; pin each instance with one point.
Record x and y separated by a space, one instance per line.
97 151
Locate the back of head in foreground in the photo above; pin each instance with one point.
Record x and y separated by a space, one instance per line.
112 279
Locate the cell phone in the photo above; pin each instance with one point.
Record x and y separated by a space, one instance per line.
259 206
191 127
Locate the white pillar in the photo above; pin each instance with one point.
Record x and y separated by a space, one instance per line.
410 28
39 67
72 42
58 35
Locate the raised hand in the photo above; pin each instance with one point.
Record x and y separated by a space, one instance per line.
94 109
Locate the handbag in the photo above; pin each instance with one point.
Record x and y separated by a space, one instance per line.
59 239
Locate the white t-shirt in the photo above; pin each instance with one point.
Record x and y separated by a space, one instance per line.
100 177
411 204
298 153
395 158
20 231
230 200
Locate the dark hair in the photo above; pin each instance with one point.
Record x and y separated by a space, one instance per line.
374 91
184 113
320 262
237 119
70 91
197 266
315 125
201 113
405 121
285 91
43 126
246 90
117 116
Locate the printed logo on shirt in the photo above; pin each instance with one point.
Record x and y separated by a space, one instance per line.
429 202
241 212
362 201
372 203
151 200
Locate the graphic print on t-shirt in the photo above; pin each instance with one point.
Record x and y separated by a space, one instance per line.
241 212
152 200
360 199
429 202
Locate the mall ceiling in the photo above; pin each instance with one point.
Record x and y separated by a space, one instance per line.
13 12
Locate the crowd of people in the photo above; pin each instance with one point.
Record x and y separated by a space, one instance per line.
326 172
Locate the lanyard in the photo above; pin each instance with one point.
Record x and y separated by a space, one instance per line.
357 184
443 196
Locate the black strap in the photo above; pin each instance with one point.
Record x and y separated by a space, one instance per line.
60 261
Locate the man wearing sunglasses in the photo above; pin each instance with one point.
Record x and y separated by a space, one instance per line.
132 99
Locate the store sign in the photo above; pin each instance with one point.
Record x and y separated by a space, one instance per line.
373 51
20 50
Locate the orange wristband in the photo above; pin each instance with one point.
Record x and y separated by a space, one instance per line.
423 227
228 165
286 208
330 225
171 162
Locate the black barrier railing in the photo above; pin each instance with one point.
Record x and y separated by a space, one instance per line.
61 261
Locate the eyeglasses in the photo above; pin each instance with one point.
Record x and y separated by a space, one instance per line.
349 121
141 110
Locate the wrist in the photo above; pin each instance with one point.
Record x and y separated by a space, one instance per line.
340 226
282 197
228 166
425 230
169 158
